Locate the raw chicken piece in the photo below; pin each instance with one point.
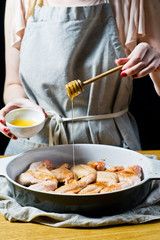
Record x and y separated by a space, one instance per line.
75 186
93 188
115 187
99 166
71 188
137 169
128 176
71 192
86 175
42 177
83 170
115 169
31 177
45 186
108 178
62 173
64 165
41 164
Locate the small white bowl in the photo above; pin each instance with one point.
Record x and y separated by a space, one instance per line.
25 114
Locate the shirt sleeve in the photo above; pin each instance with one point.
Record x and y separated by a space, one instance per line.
136 21
20 9
152 22
19 13
130 21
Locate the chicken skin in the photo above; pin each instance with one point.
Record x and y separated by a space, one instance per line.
115 187
93 188
98 166
137 169
115 169
45 186
88 178
36 173
41 164
31 177
130 175
83 170
75 186
108 178
85 173
62 173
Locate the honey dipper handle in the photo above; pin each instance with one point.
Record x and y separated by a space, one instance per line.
102 75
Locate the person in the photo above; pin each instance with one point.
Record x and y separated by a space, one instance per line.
51 42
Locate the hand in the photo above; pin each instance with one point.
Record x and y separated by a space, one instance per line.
19 103
144 59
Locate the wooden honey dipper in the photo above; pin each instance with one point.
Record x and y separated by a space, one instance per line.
76 87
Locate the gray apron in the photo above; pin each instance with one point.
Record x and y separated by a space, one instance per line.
61 44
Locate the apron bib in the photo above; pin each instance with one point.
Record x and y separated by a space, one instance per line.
61 44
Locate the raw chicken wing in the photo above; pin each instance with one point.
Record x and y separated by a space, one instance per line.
83 170
108 178
86 175
115 187
137 169
99 166
62 173
41 164
45 186
31 177
115 169
93 188
128 176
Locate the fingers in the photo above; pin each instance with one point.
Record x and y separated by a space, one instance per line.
46 116
121 61
18 103
5 110
143 60
26 103
5 130
138 68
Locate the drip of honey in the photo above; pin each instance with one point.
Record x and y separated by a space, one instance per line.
74 162
23 123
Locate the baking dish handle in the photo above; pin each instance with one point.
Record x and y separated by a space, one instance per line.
3 164
155 170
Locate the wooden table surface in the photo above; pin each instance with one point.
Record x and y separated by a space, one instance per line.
33 231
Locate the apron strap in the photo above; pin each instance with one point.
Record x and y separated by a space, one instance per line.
31 6
60 130
40 3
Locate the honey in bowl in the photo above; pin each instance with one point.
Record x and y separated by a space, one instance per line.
23 122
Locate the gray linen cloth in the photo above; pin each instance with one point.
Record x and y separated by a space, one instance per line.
149 210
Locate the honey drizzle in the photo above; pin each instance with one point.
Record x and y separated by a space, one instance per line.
73 149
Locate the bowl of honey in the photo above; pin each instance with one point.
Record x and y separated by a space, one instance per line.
25 122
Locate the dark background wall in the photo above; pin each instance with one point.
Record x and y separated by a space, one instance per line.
145 107
145 104
3 139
